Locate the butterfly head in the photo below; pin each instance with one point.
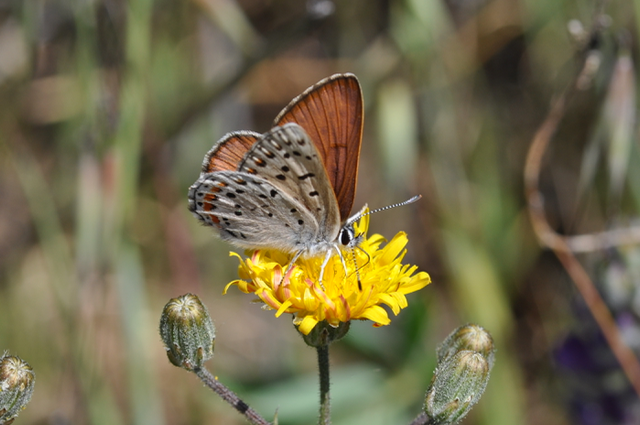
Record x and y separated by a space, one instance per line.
347 236
351 234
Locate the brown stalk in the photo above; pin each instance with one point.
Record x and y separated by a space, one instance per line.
563 246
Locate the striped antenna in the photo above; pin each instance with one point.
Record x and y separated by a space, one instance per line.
388 207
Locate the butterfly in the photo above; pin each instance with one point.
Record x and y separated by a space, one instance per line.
292 188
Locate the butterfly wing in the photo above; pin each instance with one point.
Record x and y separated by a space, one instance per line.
250 212
332 113
289 160
279 196
229 151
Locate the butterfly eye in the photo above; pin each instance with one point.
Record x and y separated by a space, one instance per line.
346 235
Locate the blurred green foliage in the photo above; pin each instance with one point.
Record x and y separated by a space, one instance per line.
107 108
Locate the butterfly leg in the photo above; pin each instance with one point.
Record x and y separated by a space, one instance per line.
290 265
326 261
324 265
344 263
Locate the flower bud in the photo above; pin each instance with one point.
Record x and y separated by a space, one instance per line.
187 332
457 385
17 381
324 334
468 337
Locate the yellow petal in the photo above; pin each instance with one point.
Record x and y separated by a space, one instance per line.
394 248
416 283
283 308
377 314
307 324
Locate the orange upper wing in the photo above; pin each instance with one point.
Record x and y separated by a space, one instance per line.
332 114
229 151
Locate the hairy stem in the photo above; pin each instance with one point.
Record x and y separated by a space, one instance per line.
230 397
323 368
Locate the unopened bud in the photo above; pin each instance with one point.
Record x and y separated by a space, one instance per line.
468 337
17 381
187 332
456 386
465 359
324 334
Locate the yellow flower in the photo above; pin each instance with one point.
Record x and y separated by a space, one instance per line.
376 277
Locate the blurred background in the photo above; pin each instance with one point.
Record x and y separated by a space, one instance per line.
107 108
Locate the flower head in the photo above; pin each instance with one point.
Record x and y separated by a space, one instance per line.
374 276
457 384
187 332
17 381
465 359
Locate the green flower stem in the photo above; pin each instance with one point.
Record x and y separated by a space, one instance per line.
323 367
230 397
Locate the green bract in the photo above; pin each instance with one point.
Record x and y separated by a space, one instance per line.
187 332
17 381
